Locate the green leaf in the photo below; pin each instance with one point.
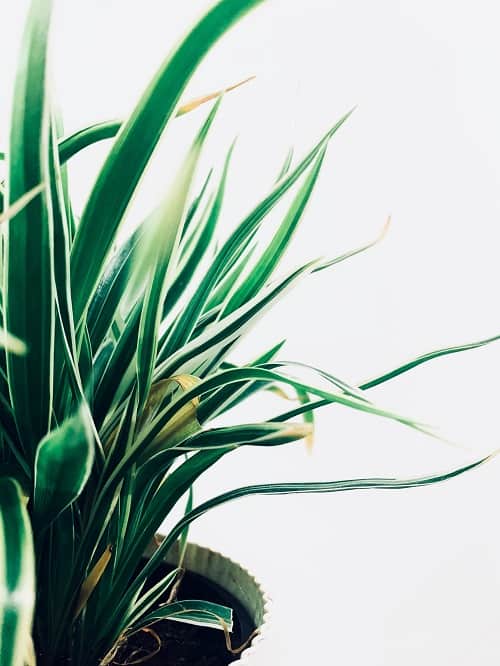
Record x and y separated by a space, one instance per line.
117 365
134 145
29 311
17 575
61 242
227 397
63 169
200 244
262 271
62 466
83 138
231 274
193 208
148 600
165 498
387 376
200 613
237 242
236 375
65 345
254 434
20 204
353 253
109 129
286 165
183 539
111 289
424 359
220 335
299 488
164 236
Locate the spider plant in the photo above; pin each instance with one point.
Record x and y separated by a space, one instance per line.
118 359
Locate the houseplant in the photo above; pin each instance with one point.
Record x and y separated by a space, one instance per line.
117 359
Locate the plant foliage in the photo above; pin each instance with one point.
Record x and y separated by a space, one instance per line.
118 358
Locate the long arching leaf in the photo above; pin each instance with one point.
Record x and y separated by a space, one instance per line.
130 154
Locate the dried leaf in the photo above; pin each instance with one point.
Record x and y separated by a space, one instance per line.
198 101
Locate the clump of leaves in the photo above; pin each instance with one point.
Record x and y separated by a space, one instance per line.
117 359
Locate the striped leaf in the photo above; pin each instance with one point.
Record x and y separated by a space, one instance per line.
17 575
134 145
300 488
200 613
163 238
108 129
29 311
62 467
262 271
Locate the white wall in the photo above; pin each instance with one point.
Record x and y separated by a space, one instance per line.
383 579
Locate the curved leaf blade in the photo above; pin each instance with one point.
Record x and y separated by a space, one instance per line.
300 488
134 146
191 611
108 129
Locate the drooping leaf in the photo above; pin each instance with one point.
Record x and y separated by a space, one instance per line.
255 434
299 488
200 613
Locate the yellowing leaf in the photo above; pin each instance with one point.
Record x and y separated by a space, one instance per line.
11 343
92 580
277 390
198 101
184 422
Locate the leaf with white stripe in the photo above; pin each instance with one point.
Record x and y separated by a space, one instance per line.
17 575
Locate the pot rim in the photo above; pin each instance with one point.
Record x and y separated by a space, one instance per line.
248 655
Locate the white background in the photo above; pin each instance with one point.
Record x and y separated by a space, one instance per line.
391 578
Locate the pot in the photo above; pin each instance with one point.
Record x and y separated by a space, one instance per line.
236 582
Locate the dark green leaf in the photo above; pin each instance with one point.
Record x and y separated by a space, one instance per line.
134 146
201 613
29 303
164 237
299 488
17 575
62 467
